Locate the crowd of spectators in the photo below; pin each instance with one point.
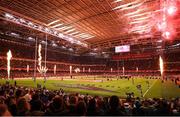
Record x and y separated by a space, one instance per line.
23 101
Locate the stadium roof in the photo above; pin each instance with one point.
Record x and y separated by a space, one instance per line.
87 25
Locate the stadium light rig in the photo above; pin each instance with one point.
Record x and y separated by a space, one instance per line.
44 29
9 56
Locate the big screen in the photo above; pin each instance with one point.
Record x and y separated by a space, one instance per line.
123 48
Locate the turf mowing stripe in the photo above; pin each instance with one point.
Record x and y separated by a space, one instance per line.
149 88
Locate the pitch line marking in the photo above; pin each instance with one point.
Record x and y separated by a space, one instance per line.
149 88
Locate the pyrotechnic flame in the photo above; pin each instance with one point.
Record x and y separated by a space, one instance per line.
27 68
54 69
111 69
9 56
77 70
40 57
161 65
70 69
123 70
41 69
137 69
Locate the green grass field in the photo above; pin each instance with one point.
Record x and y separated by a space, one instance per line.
107 88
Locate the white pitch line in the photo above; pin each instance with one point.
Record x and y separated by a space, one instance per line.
149 88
